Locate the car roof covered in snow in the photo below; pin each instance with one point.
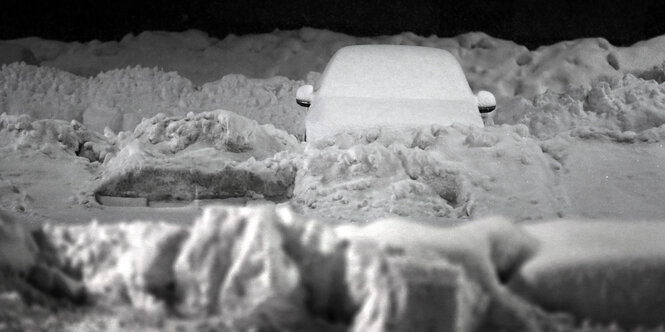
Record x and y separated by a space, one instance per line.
394 71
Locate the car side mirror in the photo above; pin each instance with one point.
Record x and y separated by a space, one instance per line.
486 101
304 95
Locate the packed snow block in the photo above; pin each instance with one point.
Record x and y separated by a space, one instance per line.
127 263
598 270
10 53
233 265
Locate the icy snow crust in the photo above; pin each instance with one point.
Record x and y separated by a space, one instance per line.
592 150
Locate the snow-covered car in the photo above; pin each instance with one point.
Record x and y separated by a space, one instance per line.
390 87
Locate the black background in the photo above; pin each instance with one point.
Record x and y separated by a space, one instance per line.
528 22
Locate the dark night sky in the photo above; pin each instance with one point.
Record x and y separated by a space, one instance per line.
529 22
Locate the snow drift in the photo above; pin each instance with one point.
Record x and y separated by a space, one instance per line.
119 99
496 65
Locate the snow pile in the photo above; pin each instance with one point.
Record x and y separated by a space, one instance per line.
453 172
205 155
266 267
628 104
123 261
51 137
121 98
611 271
41 92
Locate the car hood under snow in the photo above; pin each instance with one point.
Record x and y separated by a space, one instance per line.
330 114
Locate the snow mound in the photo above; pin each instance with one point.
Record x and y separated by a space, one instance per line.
629 104
121 98
52 137
611 271
215 154
455 172
220 129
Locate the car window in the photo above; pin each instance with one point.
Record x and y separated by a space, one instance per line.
389 71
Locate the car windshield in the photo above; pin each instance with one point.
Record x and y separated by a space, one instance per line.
389 71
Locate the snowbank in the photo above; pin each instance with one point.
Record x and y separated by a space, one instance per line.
627 104
205 155
500 66
121 98
610 271
51 137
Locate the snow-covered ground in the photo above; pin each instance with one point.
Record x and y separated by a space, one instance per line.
199 137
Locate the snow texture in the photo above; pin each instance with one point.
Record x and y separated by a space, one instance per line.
268 267
611 271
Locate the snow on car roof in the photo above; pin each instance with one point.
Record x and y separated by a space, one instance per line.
394 71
